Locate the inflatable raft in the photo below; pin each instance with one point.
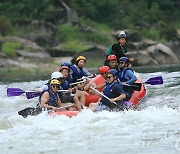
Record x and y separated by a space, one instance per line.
137 96
66 113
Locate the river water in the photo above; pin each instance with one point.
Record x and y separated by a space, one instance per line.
153 128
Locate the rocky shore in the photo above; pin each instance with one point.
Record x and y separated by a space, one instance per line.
34 59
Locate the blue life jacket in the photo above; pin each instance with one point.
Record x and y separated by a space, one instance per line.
77 73
65 85
70 78
53 99
122 73
108 92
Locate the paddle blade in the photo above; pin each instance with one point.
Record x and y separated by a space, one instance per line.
30 95
14 92
155 80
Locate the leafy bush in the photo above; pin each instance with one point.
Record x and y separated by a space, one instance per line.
74 45
67 34
9 48
5 26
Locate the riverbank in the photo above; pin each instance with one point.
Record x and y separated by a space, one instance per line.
43 71
40 71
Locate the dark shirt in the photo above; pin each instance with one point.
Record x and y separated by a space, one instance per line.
118 50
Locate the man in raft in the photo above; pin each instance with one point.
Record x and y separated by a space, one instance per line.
50 99
119 49
78 99
112 62
73 94
114 91
126 75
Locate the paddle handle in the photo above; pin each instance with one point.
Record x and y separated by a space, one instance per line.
102 94
75 83
86 77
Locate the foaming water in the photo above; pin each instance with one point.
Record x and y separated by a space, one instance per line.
153 127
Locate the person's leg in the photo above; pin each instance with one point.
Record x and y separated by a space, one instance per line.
81 96
93 106
77 103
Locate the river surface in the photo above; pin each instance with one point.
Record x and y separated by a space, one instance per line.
153 128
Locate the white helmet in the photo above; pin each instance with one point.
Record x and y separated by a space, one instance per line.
122 34
56 75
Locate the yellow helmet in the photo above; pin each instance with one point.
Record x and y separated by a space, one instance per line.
80 58
55 81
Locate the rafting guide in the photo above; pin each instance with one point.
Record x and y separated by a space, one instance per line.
119 49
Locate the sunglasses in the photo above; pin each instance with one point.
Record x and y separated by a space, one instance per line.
60 79
108 77
121 62
55 85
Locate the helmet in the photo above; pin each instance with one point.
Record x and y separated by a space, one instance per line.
125 59
104 69
64 67
122 34
55 81
80 58
111 57
66 64
113 72
56 75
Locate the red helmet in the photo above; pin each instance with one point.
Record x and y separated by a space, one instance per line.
111 57
104 69
64 67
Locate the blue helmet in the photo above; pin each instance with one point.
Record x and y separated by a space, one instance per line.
113 72
66 64
125 59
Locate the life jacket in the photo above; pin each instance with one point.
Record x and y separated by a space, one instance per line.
53 99
108 92
77 72
70 78
65 85
122 73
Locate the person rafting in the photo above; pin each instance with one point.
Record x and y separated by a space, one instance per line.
119 49
112 62
78 70
50 99
103 71
114 91
73 94
126 75
58 76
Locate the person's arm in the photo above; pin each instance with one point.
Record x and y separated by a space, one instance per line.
119 98
87 73
82 85
42 89
44 99
119 92
59 102
132 77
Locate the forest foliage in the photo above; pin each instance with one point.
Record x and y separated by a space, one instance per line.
155 19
